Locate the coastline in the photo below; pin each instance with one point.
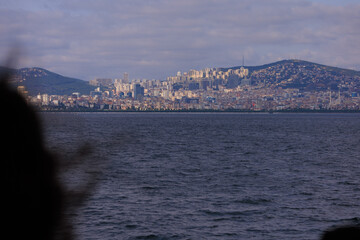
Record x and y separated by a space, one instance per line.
198 111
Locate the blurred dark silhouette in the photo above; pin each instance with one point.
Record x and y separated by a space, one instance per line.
342 233
36 204
33 200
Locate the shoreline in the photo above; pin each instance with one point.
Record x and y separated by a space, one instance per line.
196 111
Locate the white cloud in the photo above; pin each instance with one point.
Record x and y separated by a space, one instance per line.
157 38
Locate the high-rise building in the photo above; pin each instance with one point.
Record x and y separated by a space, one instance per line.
138 91
126 78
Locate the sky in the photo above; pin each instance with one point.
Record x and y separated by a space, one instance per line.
154 39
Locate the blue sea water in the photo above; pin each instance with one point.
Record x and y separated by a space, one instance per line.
212 175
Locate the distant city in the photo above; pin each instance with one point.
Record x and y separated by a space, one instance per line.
283 86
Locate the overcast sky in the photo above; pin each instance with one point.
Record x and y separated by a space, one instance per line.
154 39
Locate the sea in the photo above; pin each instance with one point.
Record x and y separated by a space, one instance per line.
209 175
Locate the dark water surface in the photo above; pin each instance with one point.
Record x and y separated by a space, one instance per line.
214 176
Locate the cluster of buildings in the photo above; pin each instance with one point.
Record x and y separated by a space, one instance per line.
207 89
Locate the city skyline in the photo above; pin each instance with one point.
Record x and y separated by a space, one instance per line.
286 85
156 39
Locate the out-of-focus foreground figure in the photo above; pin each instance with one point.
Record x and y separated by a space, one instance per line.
342 233
32 197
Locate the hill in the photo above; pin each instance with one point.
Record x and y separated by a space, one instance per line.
39 80
303 75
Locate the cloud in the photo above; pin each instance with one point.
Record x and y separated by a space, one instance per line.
155 39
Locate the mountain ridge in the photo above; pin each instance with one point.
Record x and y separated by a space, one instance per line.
252 68
304 75
293 73
39 80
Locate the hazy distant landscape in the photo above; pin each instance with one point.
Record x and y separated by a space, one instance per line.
288 74
283 85
188 119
